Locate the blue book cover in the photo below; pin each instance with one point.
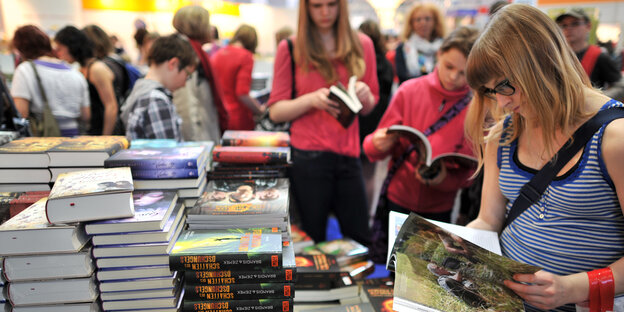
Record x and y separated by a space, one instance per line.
159 158
152 143
152 209
149 174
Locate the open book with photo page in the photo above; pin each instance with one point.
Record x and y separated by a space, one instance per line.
429 158
438 270
347 99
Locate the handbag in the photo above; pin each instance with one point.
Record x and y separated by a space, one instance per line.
44 125
378 250
264 122
532 191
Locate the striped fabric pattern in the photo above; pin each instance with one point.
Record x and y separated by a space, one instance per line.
576 226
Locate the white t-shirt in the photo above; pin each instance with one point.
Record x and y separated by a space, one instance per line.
66 89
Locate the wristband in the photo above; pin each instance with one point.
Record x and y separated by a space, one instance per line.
594 291
607 289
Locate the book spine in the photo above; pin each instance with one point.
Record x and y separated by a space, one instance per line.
267 305
226 277
249 157
179 173
273 142
147 164
238 291
224 262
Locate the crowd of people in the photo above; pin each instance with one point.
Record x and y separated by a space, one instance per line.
512 104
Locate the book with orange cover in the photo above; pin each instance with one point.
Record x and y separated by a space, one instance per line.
255 138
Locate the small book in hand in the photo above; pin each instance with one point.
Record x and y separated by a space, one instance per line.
430 164
348 102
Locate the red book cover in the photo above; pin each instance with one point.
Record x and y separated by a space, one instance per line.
255 138
251 154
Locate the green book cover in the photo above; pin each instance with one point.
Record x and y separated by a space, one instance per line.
207 250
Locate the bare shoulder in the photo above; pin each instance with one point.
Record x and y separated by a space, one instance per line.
613 138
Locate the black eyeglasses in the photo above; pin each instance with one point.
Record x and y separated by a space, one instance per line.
502 88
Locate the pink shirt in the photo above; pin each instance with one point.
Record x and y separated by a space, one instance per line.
232 66
317 130
419 103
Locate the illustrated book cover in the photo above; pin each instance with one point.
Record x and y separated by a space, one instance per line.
86 151
91 195
203 250
439 271
430 159
151 211
259 198
347 99
251 154
29 232
346 250
255 138
190 157
29 152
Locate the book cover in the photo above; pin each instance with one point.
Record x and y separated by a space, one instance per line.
255 138
152 210
300 238
257 198
347 100
346 250
359 270
152 143
191 157
181 173
431 160
251 154
91 195
337 288
441 271
380 297
29 232
238 291
29 152
141 249
267 305
86 150
204 250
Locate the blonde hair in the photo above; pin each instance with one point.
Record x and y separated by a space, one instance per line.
538 63
439 30
193 21
309 50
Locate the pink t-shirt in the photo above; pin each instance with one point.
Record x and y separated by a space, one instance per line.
317 130
232 66
419 103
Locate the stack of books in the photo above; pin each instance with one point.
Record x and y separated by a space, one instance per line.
83 153
131 254
235 269
181 168
251 155
24 164
46 266
321 281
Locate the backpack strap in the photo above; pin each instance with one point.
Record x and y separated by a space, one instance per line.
532 191
589 59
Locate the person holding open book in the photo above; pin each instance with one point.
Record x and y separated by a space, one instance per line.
536 90
435 101
326 173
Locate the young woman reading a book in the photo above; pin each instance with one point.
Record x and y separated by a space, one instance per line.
536 90
327 173
420 103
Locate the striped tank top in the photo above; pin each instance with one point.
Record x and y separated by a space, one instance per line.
577 225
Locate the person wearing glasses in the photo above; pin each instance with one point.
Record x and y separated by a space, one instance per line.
422 35
149 112
599 66
537 92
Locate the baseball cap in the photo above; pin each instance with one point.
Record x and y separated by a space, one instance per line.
574 12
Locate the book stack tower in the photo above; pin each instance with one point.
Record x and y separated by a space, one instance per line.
46 266
131 254
236 269
321 281
182 168
24 164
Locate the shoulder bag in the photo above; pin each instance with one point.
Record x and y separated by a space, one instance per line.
46 125
265 123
